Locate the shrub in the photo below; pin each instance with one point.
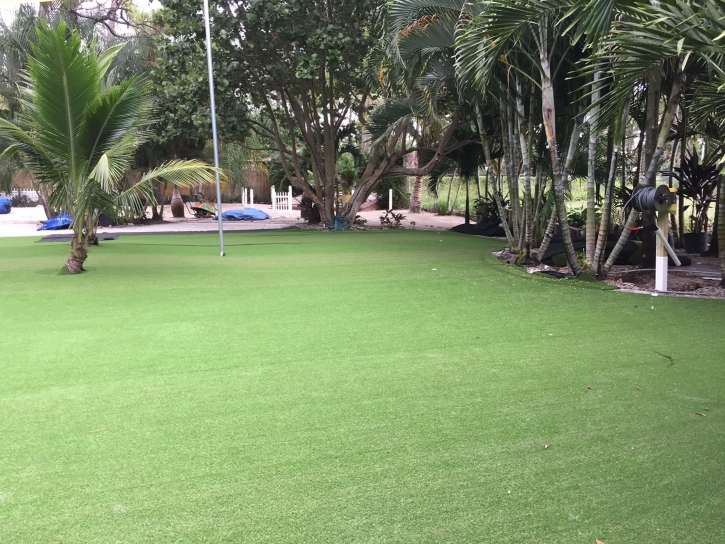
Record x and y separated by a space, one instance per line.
391 220
23 201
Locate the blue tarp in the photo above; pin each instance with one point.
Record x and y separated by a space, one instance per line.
5 205
61 222
247 214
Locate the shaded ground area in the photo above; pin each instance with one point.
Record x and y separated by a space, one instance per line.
389 386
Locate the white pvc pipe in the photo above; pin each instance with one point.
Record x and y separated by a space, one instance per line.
390 199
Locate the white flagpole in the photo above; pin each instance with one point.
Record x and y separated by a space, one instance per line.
213 126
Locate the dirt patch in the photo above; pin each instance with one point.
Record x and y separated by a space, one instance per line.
701 279
676 281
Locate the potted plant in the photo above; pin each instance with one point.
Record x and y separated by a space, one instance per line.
698 182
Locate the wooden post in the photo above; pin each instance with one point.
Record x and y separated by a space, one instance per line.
289 200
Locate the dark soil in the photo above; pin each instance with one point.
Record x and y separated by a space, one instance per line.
676 281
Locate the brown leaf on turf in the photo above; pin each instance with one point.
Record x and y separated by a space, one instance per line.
590 387
637 388
477 337
700 414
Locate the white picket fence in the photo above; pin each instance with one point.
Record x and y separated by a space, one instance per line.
32 195
282 202
248 198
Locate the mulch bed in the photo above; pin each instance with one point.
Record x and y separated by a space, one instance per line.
702 279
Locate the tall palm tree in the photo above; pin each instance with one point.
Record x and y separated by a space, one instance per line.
77 134
530 42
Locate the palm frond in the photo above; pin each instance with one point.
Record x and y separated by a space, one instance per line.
64 82
112 116
183 173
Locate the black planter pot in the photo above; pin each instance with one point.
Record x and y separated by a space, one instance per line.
695 243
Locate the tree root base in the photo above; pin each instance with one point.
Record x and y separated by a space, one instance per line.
74 266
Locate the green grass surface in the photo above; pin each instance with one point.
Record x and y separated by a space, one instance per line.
315 387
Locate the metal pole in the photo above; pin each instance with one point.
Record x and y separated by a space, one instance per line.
213 127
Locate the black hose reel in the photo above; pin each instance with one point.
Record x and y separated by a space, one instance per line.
660 199
653 199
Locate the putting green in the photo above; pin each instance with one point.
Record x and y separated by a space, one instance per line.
393 386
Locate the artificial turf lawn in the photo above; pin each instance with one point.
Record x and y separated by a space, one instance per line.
334 387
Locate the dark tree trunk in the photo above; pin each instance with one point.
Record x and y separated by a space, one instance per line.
714 249
468 212
654 88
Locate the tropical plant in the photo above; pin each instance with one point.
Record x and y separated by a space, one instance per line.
347 170
577 218
698 182
77 134
486 209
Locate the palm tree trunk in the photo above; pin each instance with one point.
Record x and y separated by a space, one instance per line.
721 228
43 198
493 176
591 174
506 135
714 249
90 231
538 193
673 217
680 196
502 211
458 192
548 111
524 140
415 196
163 199
450 188
547 234
606 215
78 251
649 176
620 128
573 144
640 145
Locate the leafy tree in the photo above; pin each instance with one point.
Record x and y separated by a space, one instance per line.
77 134
301 64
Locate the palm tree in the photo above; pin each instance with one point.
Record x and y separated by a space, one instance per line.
77 134
529 41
